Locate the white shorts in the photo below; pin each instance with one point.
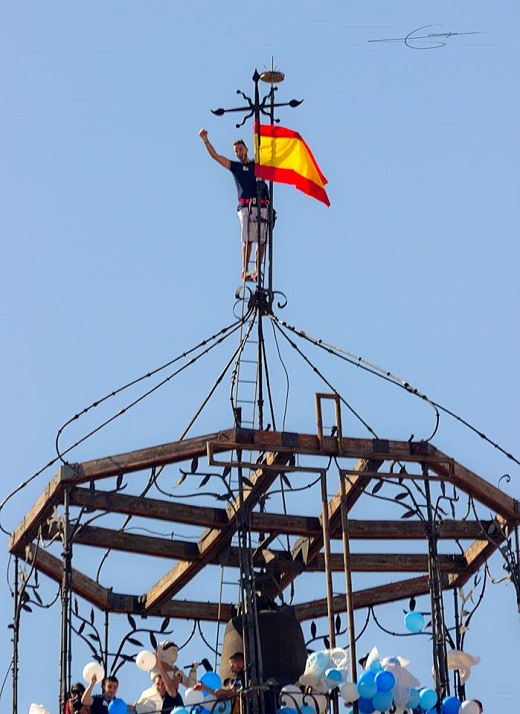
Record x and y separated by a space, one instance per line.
249 224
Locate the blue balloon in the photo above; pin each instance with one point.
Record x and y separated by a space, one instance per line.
414 621
366 685
450 705
333 676
413 699
427 698
365 706
385 681
307 709
117 706
211 680
383 701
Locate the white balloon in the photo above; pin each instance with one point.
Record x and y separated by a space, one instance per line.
145 660
469 707
193 696
37 709
319 702
92 668
349 692
293 698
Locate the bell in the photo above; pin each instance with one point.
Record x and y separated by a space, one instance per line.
281 642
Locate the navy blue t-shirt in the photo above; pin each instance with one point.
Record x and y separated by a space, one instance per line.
244 175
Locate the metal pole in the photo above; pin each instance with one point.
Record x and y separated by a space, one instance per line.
348 579
16 636
440 657
65 602
328 573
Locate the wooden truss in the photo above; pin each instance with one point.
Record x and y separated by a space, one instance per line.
267 457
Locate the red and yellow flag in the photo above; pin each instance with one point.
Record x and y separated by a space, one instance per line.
284 156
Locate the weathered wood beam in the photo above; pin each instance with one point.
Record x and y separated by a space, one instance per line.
286 524
80 584
37 516
145 458
480 551
379 595
170 511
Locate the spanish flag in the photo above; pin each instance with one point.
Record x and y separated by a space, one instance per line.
284 156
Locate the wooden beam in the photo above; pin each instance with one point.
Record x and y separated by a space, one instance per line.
146 458
136 543
37 516
80 584
286 524
391 592
170 511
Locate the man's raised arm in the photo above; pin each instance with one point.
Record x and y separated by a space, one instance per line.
203 133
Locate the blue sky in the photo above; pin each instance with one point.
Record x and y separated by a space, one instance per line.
120 245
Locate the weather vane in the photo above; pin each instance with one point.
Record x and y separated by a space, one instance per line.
265 106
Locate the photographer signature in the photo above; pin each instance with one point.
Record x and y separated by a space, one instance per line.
429 41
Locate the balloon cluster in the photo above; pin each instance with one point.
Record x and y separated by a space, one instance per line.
385 684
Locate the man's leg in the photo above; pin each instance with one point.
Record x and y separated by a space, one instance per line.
246 255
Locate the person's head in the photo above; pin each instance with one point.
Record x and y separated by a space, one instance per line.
159 685
240 150
236 663
76 692
109 687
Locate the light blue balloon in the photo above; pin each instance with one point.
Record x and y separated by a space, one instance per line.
117 706
180 710
450 705
382 701
385 681
333 676
366 685
414 621
427 698
413 699
211 680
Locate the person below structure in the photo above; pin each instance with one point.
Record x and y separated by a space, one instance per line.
250 190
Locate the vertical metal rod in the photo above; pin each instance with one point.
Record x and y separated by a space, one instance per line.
348 578
16 635
460 688
326 547
440 657
270 222
105 653
325 524
65 601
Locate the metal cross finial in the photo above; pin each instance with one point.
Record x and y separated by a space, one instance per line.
256 107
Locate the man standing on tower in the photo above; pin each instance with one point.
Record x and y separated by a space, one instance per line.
251 222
